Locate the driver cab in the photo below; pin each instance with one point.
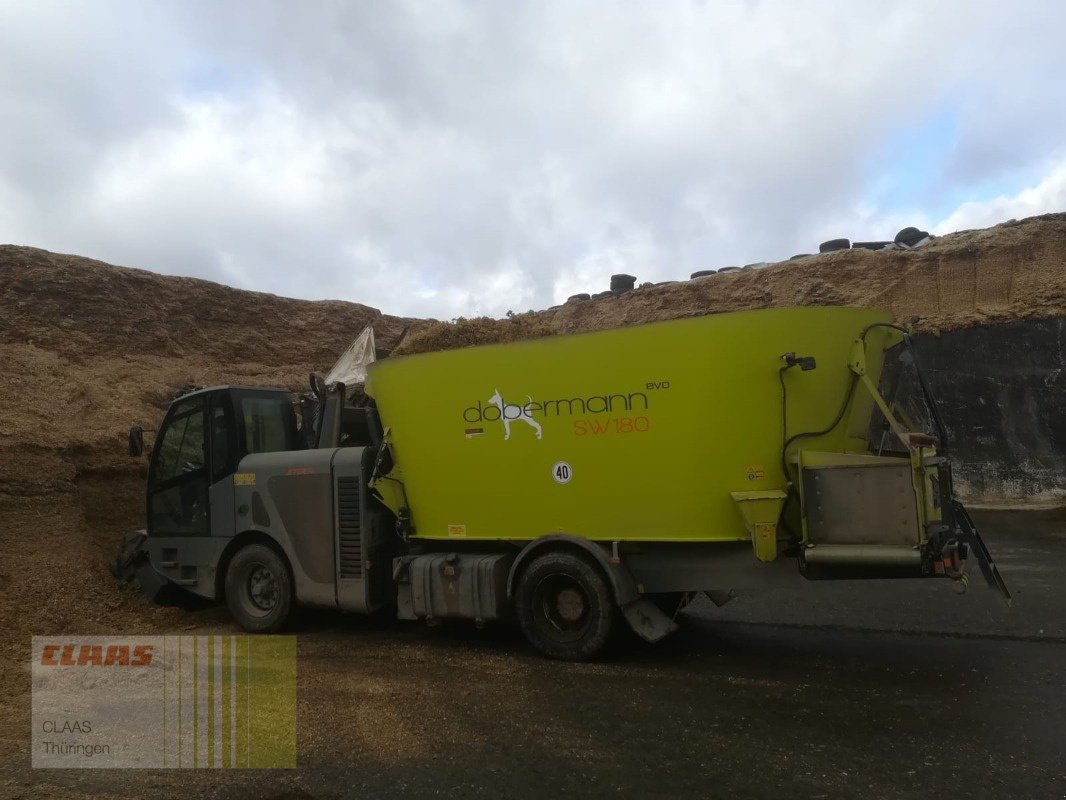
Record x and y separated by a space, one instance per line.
203 437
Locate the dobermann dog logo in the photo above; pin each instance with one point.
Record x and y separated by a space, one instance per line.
509 412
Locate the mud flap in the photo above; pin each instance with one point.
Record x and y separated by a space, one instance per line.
132 563
968 533
647 621
124 565
152 584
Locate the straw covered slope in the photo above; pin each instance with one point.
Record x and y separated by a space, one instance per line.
89 349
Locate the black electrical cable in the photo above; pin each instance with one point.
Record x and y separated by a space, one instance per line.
784 416
843 408
791 494
784 465
827 429
891 325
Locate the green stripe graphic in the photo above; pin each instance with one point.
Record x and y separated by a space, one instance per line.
246 694
195 702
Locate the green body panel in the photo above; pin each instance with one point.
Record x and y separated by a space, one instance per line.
654 426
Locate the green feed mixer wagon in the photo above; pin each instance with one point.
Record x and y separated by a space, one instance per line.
554 481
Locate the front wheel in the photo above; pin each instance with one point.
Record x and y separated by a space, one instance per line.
259 589
564 606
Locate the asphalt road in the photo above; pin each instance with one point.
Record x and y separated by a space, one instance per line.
1029 548
887 690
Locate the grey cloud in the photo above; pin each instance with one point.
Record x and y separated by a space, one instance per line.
458 158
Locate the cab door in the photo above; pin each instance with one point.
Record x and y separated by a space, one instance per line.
222 441
179 473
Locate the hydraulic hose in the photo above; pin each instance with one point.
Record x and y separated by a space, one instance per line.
810 434
791 491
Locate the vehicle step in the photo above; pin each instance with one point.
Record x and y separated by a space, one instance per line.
874 554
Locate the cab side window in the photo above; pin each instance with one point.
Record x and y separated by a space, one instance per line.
177 490
222 439
269 425
182 447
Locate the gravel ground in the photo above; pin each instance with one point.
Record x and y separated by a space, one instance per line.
894 689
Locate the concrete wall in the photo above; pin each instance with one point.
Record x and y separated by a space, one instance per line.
1002 393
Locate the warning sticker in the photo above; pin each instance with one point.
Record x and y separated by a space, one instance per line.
755 471
457 530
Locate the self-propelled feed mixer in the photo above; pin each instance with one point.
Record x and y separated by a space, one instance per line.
553 481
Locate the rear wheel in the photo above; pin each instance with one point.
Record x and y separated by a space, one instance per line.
564 606
259 589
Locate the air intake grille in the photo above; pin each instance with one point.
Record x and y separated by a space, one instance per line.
349 528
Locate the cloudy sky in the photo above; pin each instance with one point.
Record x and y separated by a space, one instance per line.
456 158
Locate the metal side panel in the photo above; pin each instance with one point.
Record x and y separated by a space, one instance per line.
288 496
353 531
861 504
186 561
349 510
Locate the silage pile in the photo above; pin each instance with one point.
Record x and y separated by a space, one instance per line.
1012 271
89 349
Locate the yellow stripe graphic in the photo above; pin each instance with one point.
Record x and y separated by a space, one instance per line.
210 701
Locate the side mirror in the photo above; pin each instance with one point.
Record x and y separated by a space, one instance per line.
136 440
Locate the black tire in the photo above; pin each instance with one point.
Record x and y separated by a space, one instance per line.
834 244
703 273
259 589
582 296
564 606
910 236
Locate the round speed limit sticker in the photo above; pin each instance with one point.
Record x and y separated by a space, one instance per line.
562 472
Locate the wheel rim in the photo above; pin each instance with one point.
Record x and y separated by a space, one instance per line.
562 609
263 588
